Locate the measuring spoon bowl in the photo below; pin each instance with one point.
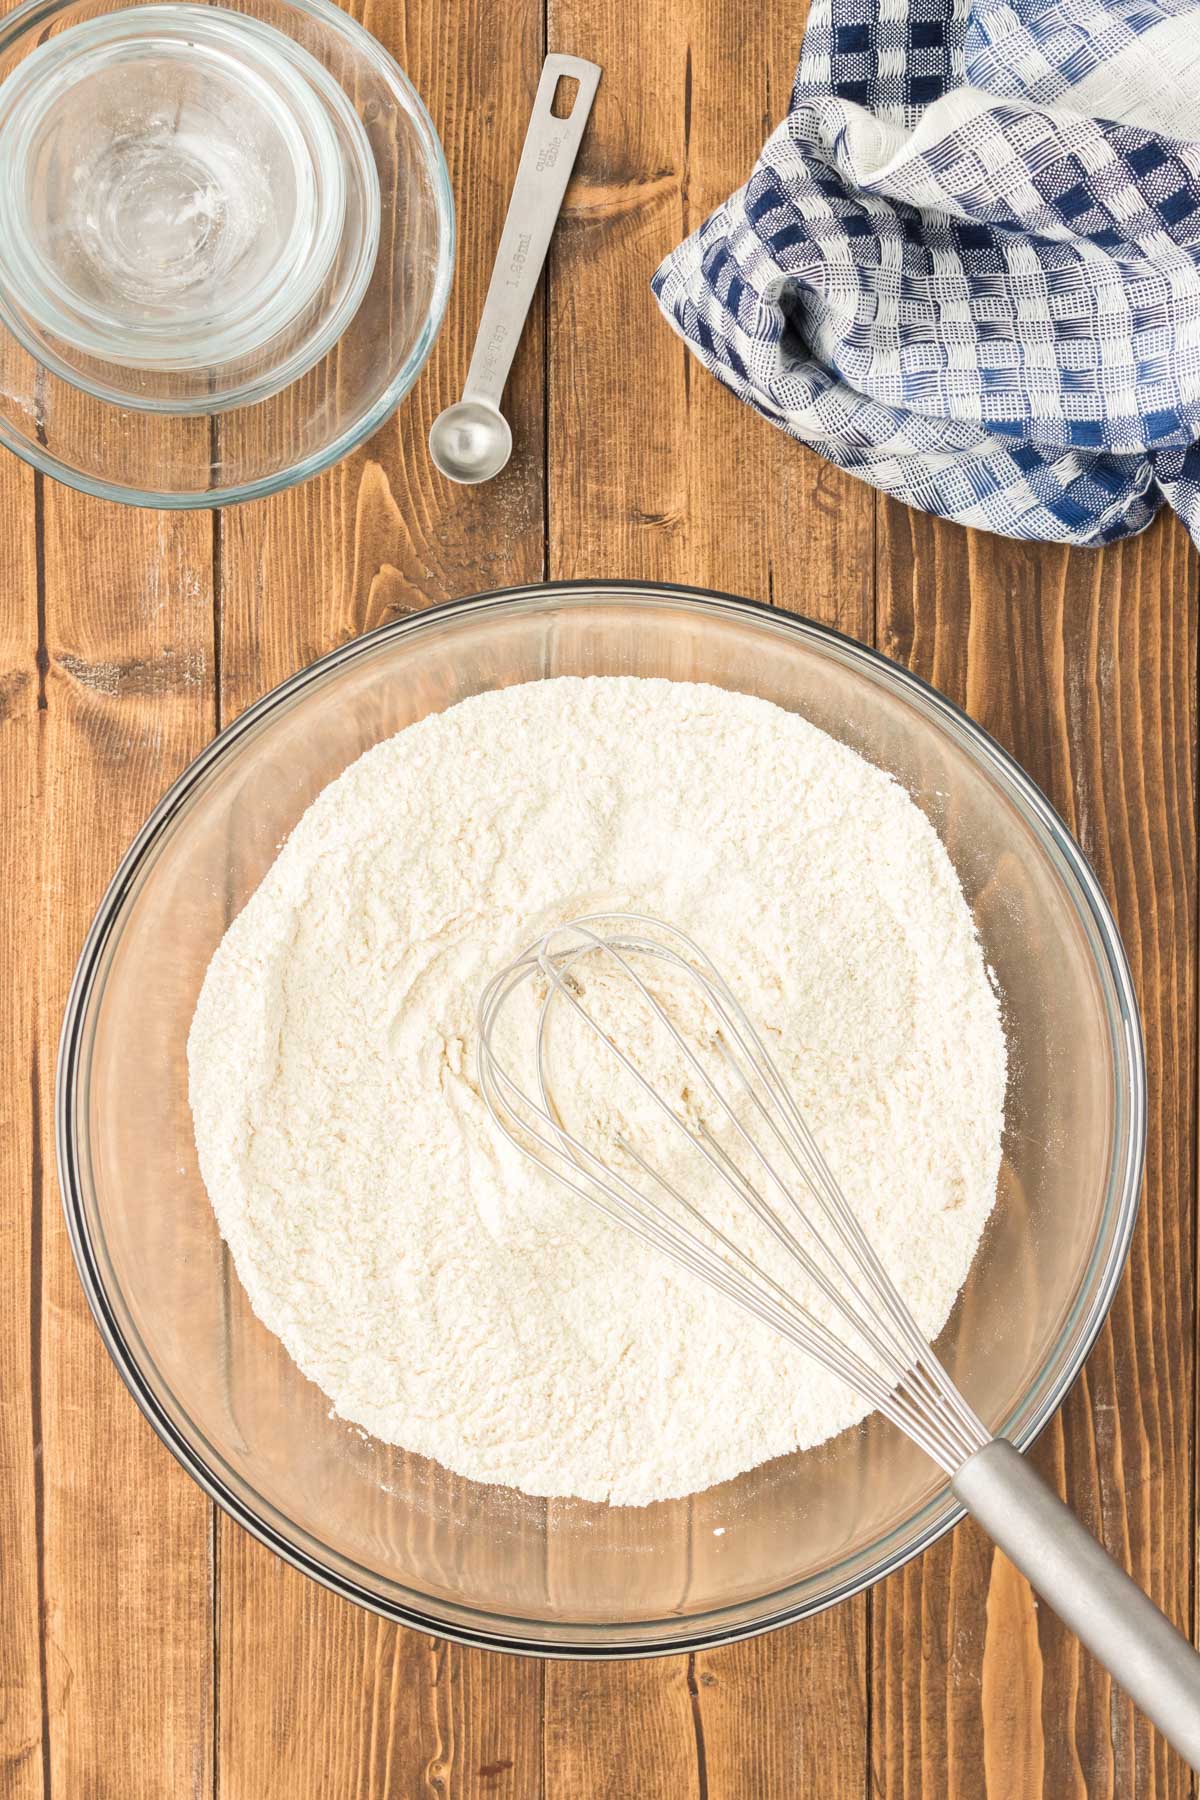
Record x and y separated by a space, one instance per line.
470 441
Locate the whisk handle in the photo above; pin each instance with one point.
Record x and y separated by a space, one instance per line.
1092 1594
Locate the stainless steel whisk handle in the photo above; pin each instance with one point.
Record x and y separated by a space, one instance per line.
1108 1612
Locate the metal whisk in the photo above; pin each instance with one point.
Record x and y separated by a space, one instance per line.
742 1136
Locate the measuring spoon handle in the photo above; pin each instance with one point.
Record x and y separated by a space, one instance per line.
545 168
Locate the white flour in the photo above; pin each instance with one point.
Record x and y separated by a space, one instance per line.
443 1294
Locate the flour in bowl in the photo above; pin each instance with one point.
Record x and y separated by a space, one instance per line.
444 1294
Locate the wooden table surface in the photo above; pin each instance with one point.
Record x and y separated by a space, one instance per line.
147 1646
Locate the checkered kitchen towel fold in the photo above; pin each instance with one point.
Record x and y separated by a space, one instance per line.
967 265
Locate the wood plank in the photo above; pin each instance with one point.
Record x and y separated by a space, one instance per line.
323 1699
1083 665
656 472
624 1730
347 1704
22 1186
770 1709
126 1535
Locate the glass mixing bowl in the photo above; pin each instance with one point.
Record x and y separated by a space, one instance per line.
226 241
485 1564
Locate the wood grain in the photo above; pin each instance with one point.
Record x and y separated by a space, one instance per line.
626 1731
656 472
315 1697
785 1714
1084 666
125 1536
23 1759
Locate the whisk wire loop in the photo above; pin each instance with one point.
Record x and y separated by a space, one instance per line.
789 1189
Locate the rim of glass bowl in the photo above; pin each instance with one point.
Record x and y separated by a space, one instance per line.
30 17
645 1637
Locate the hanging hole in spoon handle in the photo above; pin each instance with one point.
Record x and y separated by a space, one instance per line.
471 441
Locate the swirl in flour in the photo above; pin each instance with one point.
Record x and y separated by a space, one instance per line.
442 1293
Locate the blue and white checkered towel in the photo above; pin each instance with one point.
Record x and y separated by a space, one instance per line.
967 265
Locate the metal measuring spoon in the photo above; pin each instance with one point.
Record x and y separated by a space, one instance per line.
471 440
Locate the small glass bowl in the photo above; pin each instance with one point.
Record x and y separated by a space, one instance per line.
226 241
192 214
488 1565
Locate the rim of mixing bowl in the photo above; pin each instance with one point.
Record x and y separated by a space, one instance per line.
456 1620
33 14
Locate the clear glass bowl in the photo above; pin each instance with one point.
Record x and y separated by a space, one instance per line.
226 242
485 1564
